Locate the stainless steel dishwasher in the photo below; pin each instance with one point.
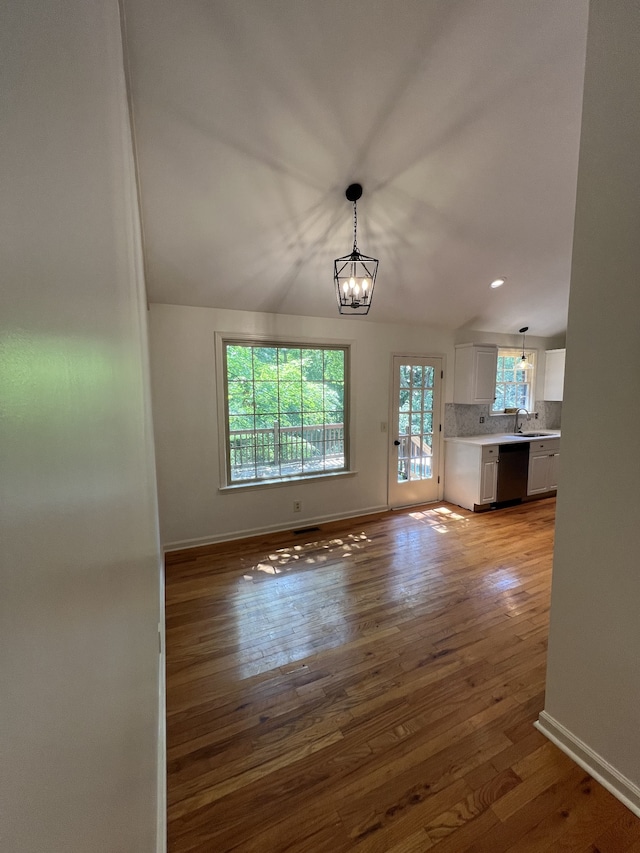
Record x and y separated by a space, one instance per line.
513 471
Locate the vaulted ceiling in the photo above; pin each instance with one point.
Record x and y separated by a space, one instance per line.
460 118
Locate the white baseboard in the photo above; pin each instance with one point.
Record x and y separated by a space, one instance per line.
621 787
273 528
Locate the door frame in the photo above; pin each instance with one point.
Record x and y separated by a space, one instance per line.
392 414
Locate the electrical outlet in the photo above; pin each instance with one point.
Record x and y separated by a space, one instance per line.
297 506
536 416
481 419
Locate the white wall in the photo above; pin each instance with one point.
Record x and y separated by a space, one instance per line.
593 684
184 401
80 571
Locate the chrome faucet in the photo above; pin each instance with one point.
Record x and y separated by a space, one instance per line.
515 426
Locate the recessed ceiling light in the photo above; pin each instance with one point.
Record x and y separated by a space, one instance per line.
498 282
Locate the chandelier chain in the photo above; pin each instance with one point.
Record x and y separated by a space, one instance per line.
355 226
354 275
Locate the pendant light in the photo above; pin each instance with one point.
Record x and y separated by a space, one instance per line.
523 362
354 275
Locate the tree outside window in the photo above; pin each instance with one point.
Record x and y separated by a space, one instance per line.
514 386
285 410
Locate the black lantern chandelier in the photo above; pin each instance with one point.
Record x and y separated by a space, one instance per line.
354 275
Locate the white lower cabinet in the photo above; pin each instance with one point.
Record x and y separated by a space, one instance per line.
554 470
489 475
544 464
471 471
471 474
538 473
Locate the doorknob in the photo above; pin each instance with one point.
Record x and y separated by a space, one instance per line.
396 442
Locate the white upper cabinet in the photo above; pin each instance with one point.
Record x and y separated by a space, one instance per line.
554 374
475 373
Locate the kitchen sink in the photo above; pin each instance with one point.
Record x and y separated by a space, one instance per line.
534 435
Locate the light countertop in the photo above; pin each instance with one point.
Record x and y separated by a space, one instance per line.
504 438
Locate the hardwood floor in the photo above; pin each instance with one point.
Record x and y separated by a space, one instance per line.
372 686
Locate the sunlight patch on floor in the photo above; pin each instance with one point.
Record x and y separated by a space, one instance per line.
438 518
306 554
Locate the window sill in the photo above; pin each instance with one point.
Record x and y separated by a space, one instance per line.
284 481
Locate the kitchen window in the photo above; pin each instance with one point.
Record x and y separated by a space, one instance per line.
285 410
514 386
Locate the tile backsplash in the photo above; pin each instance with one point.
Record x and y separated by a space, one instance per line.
461 420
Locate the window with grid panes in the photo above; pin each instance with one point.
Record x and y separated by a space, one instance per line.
514 387
415 422
285 410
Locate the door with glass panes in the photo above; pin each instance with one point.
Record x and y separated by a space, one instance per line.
415 433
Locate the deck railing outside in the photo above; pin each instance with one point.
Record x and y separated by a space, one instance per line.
285 450
414 458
